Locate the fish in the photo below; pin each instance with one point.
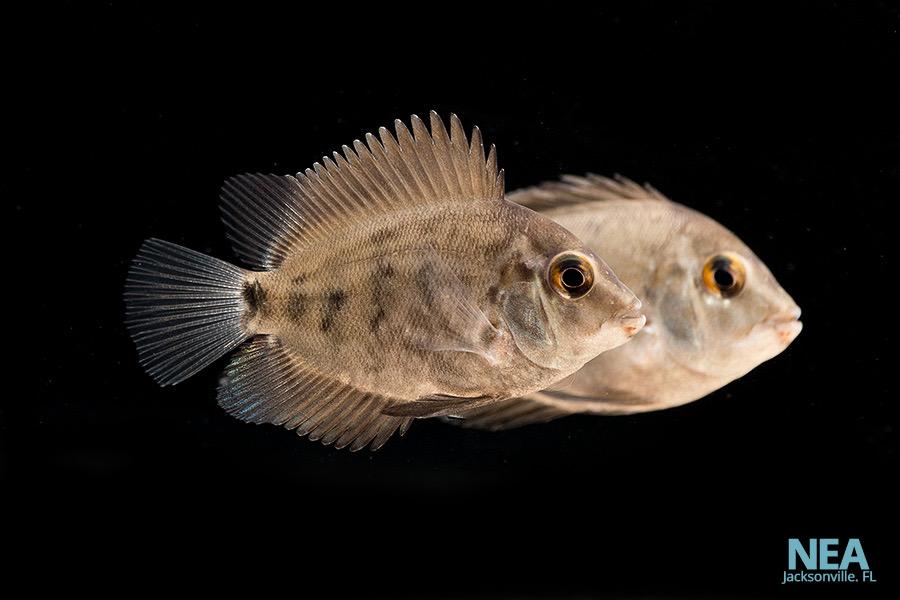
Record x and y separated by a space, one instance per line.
714 310
391 281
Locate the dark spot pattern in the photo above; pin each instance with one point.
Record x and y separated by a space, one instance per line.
334 302
380 276
385 270
296 306
377 318
255 297
425 283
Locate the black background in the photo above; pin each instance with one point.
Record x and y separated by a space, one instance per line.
123 120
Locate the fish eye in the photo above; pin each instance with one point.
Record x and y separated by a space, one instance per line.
571 275
724 275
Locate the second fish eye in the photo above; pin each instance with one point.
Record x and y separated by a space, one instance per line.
571 275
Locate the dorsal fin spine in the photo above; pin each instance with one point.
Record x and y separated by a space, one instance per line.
339 175
460 158
387 170
439 142
348 195
361 189
364 159
460 147
418 174
389 148
476 159
492 168
426 160
317 177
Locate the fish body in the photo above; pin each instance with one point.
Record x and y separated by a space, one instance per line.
398 304
714 310
391 282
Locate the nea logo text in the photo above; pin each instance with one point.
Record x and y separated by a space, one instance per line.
826 560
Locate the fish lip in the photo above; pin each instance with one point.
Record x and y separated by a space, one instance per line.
786 325
630 319
785 318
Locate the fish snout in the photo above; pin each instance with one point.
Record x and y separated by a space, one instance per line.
787 324
630 319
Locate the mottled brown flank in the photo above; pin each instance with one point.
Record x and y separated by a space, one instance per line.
377 318
424 280
385 270
381 275
334 302
255 297
296 305
493 294
383 236
497 247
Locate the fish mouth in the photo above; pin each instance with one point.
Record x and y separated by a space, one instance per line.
630 319
787 325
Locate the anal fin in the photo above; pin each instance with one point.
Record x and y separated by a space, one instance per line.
265 383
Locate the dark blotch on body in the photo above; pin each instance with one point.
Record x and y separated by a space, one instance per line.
425 283
377 318
255 297
493 293
383 272
334 302
296 306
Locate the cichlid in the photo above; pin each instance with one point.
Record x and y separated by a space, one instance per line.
390 282
714 311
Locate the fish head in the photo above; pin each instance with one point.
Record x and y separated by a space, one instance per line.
566 305
721 310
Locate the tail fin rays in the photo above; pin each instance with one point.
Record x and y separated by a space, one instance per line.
183 310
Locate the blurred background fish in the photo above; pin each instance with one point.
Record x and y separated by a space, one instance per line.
714 310
390 282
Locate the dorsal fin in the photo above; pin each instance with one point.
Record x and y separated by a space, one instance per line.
573 189
267 217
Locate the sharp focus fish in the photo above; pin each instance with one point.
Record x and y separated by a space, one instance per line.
714 311
390 282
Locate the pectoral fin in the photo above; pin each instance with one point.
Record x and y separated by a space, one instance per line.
509 414
437 405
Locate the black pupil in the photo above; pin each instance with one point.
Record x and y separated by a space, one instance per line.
724 278
573 277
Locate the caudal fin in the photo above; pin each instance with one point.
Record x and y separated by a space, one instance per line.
183 309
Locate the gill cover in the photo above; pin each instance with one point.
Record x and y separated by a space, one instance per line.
526 316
